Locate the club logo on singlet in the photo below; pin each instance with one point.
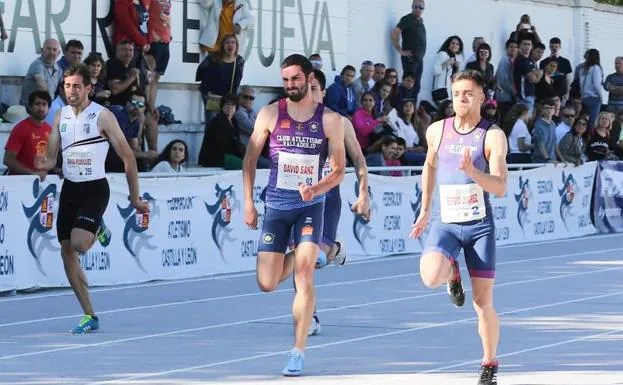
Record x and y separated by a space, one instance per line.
523 200
41 216
222 211
362 230
567 192
135 231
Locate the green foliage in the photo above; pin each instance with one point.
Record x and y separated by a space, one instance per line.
613 2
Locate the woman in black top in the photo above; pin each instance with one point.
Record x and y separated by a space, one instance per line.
483 65
221 146
546 87
598 147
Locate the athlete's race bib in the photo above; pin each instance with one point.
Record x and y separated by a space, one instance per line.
326 169
296 169
78 163
461 203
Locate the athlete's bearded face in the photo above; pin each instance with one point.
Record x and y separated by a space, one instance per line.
76 91
295 83
317 92
467 98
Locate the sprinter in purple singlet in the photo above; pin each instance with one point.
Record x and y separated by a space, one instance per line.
301 135
467 160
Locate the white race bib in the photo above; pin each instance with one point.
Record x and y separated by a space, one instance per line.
296 169
461 203
78 163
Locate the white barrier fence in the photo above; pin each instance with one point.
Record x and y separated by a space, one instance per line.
195 227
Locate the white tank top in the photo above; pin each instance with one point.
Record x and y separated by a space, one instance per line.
84 148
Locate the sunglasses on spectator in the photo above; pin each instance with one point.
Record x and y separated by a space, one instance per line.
248 97
137 104
418 7
569 115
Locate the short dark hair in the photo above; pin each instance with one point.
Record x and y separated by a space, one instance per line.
314 55
555 40
472 75
348 68
73 43
549 102
43 95
539 45
79 69
525 36
401 141
388 139
322 80
125 42
298 60
229 98
379 65
408 74
511 41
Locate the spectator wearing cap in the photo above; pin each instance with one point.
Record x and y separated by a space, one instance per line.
412 31
43 74
246 115
379 72
73 54
341 95
364 82
221 146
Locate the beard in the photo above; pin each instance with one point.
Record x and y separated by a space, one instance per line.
38 115
299 94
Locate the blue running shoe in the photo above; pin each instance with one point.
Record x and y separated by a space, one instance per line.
295 364
104 235
321 261
87 324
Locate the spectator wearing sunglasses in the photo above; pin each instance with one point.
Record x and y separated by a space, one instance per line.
246 115
413 47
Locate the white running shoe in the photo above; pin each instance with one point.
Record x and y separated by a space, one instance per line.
340 256
314 327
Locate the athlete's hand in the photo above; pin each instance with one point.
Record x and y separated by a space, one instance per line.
467 165
250 216
141 206
420 224
361 207
306 192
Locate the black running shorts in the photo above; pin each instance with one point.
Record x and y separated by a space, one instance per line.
82 205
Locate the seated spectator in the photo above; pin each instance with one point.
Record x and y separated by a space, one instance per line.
406 125
73 54
381 153
445 110
515 127
122 77
425 112
483 65
544 135
382 91
364 82
364 122
172 158
341 95
391 77
43 74
566 121
573 145
406 89
447 62
29 138
99 93
246 115
397 161
616 135
221 146
598 147
379 72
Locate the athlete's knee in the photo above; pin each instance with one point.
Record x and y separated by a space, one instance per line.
82 245
483 302
267 284
430 271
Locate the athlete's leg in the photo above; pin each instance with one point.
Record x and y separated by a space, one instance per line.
305 297
441 247
272 264
75 275
333 209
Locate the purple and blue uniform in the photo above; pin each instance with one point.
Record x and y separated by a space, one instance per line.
298 151
462 214
332 211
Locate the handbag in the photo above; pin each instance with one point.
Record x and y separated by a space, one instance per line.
213 102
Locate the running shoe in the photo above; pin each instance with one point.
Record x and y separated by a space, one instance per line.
340 256
321 261
455 286
314 327
87 324
294 366
104 235
489 374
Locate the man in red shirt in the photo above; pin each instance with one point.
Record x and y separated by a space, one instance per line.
29 138
159 27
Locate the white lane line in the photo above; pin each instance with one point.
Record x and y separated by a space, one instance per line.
230 324
220 277
351 340
257 293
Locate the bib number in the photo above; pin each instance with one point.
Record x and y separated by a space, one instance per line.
461 203
297 169
326 169
79 163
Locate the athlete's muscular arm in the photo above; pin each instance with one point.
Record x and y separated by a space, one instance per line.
429 171
495 150
334 131
261 132
111 130
54 142
361 206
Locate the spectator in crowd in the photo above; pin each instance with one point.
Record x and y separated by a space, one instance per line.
576 104
364 121
515 126
546 87
340 95
566 122
29 138
616 135
564 75
573 145
159 28
382 154
3 34
474 56
130 25
391 77
43 74
220 74
406 89
490 111
246 115
59 102
525 27
557 105
73 54
425 112
130 123
99 93
382 91
364 82
122 77
412 31
445 110
504 91
405 124
316 61
447 62
525 73
221 18
614 85
538 50
544 135
172 158
591 79
598 147
221 146
379 72
482 64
